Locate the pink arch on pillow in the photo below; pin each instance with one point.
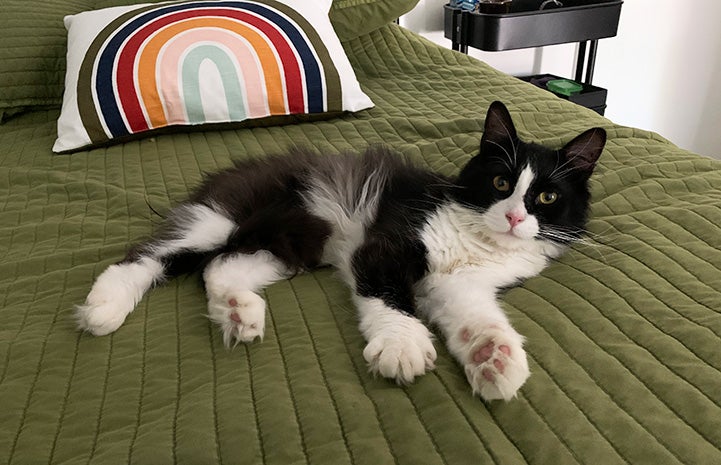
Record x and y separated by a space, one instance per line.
168 72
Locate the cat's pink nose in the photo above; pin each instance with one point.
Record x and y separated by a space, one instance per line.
515 218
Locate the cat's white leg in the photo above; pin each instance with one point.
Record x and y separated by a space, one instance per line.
478 334
231 283
115 293
399 345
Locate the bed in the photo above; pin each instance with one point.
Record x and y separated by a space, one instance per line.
622 332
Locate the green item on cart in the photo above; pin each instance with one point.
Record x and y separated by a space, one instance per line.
564 87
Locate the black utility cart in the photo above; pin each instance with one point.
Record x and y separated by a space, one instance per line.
525 26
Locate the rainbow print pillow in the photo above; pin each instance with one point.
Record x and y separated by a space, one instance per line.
144 67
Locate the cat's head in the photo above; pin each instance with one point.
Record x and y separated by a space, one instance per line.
525 191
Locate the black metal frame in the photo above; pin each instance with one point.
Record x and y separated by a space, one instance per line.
581 61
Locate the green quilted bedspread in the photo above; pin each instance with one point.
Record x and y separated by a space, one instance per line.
622 332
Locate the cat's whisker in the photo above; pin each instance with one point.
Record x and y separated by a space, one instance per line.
560 175
593 246
442 183
554 233
558 157
505 163
584 239
506 152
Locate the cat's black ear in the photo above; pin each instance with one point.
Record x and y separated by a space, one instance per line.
499 128
584 150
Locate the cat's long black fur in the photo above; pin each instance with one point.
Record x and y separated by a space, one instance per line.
264 197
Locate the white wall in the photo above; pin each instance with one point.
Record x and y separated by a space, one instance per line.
662 70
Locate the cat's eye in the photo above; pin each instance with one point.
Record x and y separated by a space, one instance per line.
547 198
501 183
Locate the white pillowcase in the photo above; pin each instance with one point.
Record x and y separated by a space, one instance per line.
137 68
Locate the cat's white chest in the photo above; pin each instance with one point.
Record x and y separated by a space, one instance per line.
455 240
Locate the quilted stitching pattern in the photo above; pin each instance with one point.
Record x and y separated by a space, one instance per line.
623 332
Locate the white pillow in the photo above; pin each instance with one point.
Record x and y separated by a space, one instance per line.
137 68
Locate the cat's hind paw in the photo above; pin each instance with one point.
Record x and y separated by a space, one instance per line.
102 318
114 295
495 362
240 315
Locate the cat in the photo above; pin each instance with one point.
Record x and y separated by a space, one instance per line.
410 243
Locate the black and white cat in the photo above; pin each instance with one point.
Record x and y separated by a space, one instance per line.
411 244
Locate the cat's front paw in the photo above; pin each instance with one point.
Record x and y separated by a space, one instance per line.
240 315
494 360
401 353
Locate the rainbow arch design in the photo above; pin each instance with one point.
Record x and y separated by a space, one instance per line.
143 71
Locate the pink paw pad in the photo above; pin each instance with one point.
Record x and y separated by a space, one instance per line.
232 302
499 365
484 353
488 374
236 318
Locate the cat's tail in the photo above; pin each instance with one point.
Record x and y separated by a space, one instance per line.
192 234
